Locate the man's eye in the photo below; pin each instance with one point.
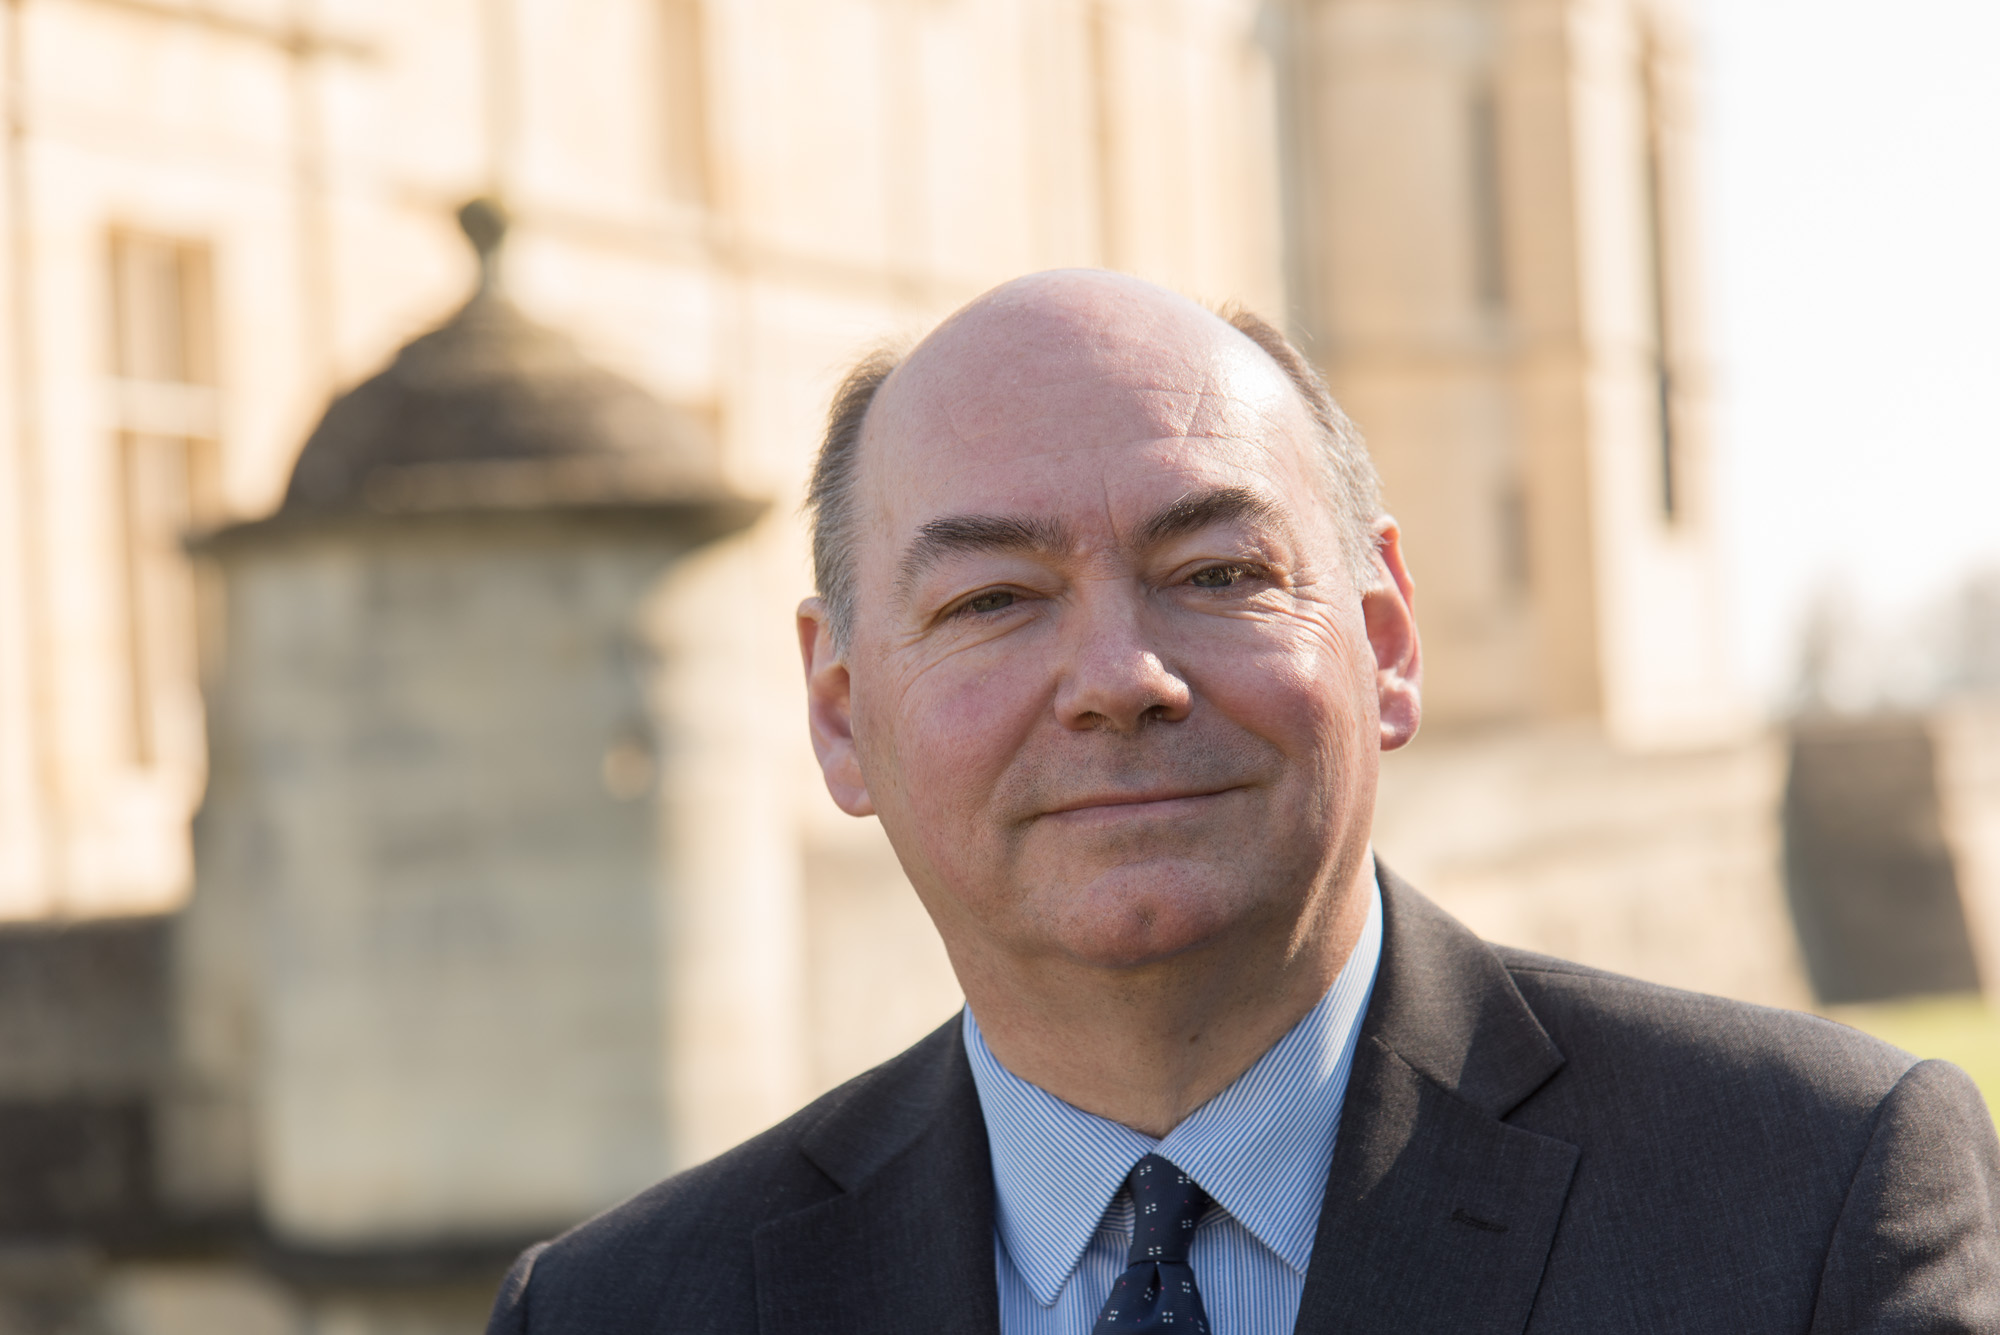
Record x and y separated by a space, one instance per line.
1217 577
991 601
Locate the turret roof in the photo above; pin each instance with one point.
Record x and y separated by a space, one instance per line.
492 411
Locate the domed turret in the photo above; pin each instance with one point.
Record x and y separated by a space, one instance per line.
477 769
492 411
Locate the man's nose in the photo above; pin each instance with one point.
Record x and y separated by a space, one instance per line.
1115 678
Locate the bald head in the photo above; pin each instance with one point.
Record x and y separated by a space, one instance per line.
1083 327
1068 346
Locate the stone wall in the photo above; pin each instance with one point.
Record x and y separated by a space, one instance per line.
84 1049
1667 866
1672 866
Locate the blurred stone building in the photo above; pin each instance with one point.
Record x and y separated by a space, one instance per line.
278 1074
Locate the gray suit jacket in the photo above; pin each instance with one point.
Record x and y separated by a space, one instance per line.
1527 1145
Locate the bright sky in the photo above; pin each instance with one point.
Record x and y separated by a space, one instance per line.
1854 238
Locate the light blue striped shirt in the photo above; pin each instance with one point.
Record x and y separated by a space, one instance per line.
1260 1149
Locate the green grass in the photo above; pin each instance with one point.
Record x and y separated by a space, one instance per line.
1961 1029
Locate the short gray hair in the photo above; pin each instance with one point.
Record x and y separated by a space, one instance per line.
1347 473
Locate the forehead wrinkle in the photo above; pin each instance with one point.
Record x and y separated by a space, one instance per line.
971 405
1173 420
1204 392
1231 385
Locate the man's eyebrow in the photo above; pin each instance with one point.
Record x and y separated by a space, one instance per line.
976 533
1197 510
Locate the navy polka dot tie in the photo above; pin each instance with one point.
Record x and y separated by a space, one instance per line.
1157 1290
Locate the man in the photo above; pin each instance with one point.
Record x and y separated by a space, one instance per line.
1111 633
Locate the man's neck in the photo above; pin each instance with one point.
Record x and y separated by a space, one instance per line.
1147 1046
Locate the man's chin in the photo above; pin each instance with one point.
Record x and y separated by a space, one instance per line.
1134 916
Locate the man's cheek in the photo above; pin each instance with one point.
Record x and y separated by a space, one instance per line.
1289 683
975 718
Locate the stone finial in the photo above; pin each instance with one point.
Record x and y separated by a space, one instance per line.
485 222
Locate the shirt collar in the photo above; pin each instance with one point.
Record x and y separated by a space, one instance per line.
1261 1148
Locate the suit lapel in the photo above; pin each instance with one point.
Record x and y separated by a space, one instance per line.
1438 1215
908 1245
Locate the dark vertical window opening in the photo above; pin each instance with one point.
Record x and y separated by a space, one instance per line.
1659 239
1512 505
1489 250
1488 239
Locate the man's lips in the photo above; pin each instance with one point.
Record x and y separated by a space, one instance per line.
1133 803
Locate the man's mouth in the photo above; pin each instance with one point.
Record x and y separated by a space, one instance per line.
1144 802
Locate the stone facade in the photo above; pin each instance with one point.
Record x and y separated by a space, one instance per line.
1474 211
1664 866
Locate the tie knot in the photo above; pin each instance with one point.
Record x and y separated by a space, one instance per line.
1166 1205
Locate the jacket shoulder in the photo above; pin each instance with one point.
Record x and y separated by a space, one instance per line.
1776 1170
1705 1048
684 1245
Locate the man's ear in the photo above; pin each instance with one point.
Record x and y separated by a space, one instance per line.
1389 606
829 710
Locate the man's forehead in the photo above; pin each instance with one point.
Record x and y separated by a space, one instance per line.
979 421
1116 450
1100 357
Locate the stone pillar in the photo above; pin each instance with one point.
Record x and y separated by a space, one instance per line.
508 887
493 922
